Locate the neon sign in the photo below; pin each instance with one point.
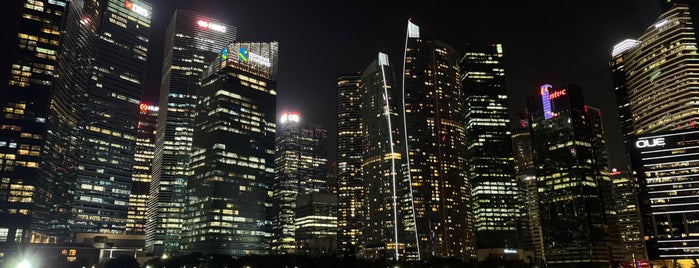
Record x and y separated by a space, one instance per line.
224 54
546 100
556 94
137 9
144 107
211 26
650 143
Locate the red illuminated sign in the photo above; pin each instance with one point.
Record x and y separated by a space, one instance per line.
556 94
143 107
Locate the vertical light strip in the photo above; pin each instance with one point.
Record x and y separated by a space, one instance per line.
546 101
387 111
411 27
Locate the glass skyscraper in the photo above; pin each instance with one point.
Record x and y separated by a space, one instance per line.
229 208
655 79
388 232
94 111
490 162
24 202
143 161
433 106
349 164
569 178
301 167
192 42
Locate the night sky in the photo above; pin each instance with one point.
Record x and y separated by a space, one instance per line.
544 42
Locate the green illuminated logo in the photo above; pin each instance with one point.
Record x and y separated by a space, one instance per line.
243 54
224 54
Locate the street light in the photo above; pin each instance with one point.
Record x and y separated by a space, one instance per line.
24 264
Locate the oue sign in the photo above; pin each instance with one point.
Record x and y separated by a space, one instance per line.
650 143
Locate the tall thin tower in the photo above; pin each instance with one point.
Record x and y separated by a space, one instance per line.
433 105
192 42
349 164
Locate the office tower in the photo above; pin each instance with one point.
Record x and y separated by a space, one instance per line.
627 212
24 205
568 178
300 167
142 163
530 219
657 78
192 42
434 131
350 199
229 207
92 124
316 224
491 166
665 164
388 232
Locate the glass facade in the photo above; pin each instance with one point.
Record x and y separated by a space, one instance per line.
229 208
388 232
349 164
316 224
434 131
192 42
142 163
92 124
301 167
24 203
569 178
491 169
667 169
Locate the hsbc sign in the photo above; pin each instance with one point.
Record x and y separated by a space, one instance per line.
650 143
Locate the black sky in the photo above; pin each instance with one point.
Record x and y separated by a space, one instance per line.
544 42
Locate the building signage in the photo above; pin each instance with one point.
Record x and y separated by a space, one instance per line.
510 251
546 100
650 143
293 117
211 26
137 9
244 55
145 107
224 54
556 94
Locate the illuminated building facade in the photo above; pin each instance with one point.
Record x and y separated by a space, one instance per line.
628 214
655 75
434 131
24 206
300 167
667 170
229 208
349 164
530 218
388 232
94 111
569 175
491 169
316 224
142 162
192 42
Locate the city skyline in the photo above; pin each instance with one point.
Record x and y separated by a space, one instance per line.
581 37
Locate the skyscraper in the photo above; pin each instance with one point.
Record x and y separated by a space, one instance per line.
491 169
301 167
568 178
530 223
24 205
389 231
229 207
141 177
315 223
656 76
192 42
349 164
92 124
432 104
